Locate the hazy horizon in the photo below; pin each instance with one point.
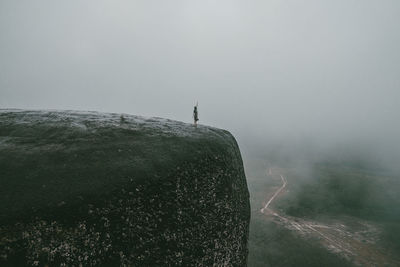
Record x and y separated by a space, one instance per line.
321 70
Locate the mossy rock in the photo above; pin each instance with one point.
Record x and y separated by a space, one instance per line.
89 189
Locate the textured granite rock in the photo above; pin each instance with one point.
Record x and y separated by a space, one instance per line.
87 188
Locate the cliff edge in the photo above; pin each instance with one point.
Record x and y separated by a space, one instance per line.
88 188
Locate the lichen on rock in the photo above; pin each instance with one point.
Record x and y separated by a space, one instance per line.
87 189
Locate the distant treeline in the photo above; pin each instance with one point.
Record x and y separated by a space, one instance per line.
335 189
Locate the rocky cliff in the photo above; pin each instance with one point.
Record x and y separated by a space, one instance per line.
87 188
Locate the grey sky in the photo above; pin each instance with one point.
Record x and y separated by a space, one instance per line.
256 67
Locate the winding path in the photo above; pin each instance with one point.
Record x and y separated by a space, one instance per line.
358 246
300 225
284 182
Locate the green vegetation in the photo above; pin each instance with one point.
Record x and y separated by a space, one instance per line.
333 190
273 245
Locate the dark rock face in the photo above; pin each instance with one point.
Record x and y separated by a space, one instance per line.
85 188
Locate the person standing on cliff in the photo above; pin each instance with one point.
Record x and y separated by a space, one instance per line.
195 115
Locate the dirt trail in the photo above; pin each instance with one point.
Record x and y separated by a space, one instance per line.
276 193
359 245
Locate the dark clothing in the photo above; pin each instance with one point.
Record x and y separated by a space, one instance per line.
195 115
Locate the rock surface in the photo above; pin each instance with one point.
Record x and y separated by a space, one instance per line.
87 188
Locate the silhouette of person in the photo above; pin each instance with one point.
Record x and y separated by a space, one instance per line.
195 115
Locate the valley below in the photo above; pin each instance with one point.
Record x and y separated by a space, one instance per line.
305 238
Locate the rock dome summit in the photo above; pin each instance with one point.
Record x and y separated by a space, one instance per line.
89 188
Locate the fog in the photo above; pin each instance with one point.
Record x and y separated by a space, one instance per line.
271 72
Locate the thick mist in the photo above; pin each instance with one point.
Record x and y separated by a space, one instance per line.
275 73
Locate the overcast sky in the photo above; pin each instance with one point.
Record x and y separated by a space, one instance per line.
286 67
